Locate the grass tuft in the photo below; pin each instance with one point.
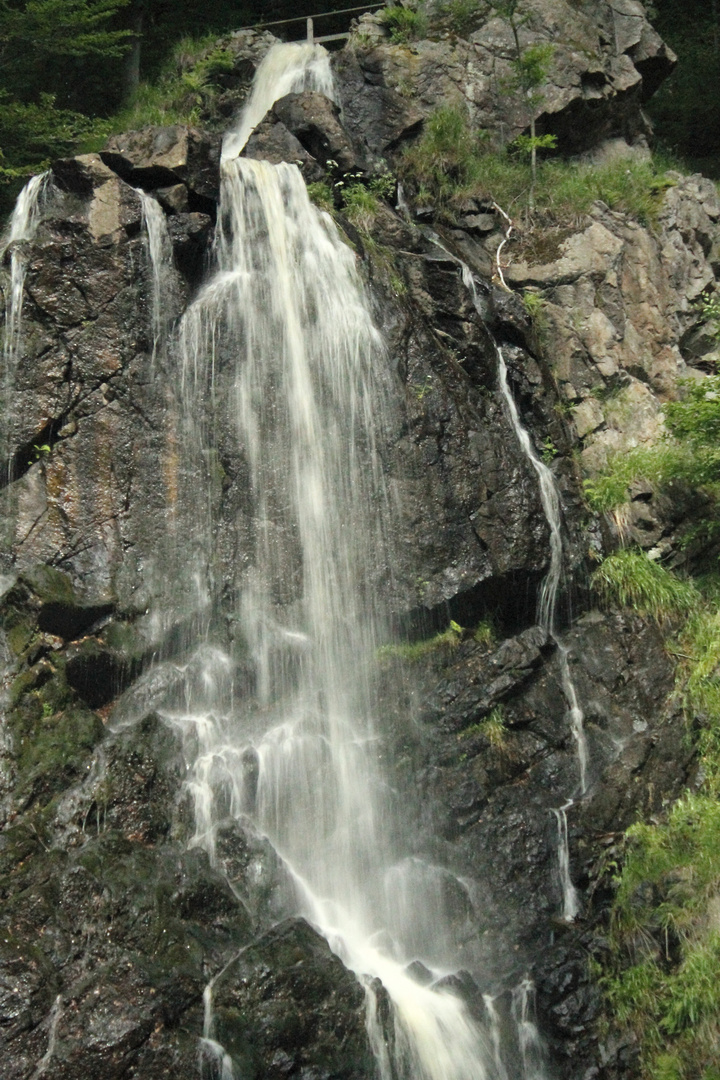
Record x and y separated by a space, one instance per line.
449 163
412 651
631 580
404 24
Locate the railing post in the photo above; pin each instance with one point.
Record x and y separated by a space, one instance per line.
310 31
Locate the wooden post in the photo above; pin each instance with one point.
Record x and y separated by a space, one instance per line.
310 31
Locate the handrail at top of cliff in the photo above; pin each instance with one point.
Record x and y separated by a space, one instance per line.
309 20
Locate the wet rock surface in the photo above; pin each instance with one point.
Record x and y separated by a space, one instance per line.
113 922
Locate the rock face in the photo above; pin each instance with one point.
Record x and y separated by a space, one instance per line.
605 61
114 922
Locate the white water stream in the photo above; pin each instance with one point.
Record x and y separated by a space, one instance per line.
23 225
287 70
546 615
160 260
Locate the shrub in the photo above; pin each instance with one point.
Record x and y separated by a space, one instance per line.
630 579
695 422
485 634
183 90
462 16
669 993
450 163
321 194
360 205
659 464
443 163
404 24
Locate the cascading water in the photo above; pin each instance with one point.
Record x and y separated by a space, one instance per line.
547 607
531 1050
160 259
289 70
23 224
285 324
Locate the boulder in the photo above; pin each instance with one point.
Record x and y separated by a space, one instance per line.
314 120
287 1005
163 156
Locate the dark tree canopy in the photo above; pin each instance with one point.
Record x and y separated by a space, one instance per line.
686 110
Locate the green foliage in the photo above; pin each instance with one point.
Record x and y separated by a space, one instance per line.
412 651
360 205
40 40
462 16
527 143
321 194
549 450
669 995
710 306
184 89
450 163
493 727
690 453
535 306
695 423
485 634
59 27
383 185
661 979
444 163
404 24
531 67
607 491
32 134
630 579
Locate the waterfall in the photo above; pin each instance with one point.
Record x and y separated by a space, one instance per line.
160 260
281 339
531 1049
548 497
23 225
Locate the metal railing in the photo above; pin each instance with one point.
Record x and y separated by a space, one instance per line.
309 21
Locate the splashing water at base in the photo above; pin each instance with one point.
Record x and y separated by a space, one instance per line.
282 332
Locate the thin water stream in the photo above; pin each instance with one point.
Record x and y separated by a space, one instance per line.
160 260
546 615
23 225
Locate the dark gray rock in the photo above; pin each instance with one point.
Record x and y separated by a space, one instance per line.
157 157
314 120
272 141
287 1005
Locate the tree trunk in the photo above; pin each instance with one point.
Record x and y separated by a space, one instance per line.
131 69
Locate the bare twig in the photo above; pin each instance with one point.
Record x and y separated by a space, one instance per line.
508 231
